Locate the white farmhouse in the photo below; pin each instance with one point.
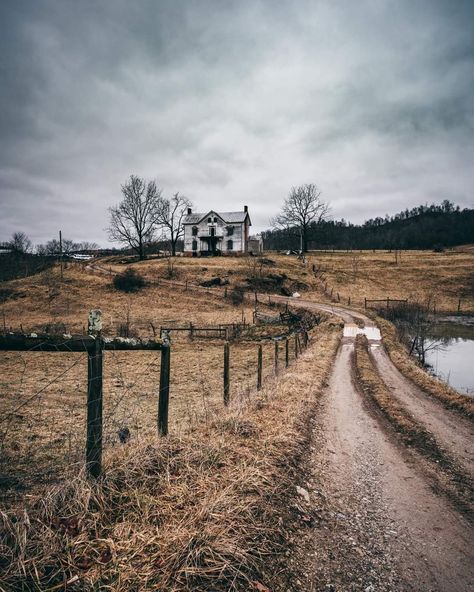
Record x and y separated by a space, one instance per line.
216 233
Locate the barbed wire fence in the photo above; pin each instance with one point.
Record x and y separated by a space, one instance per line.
47 423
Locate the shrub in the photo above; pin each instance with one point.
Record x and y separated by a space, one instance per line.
237 295
128 281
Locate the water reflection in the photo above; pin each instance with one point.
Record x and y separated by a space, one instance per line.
452 357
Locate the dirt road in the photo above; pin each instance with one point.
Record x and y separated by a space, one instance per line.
381 526
452 432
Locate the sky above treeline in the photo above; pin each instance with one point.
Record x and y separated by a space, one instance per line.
232 103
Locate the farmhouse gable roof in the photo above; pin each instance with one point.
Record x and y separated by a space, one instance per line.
227 217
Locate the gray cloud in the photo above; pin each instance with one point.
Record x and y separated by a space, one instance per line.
232 103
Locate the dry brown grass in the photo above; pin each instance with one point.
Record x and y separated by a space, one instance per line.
43 395
418 276
431 385
415 275
205 511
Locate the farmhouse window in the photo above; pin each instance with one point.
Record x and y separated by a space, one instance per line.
195 231
230 230
209 220
230 245
195 245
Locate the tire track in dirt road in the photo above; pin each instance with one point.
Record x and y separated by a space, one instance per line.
381 526
452 432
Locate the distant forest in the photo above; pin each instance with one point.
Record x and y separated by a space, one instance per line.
423 227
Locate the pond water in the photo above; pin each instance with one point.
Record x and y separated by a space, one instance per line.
452 357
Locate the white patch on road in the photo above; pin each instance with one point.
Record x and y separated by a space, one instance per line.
352 330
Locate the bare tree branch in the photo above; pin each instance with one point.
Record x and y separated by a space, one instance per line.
135 219
302 208
170 217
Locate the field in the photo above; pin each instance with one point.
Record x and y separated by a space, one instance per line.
205 508
42 395
443 278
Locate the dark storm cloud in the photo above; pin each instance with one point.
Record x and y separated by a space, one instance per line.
232 103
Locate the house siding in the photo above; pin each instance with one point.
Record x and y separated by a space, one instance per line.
239 236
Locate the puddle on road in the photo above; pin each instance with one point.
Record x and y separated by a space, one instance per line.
352 330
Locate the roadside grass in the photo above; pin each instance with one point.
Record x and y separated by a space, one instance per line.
431 385
208 510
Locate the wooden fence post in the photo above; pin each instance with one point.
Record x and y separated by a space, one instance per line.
388 302
349 301
94 397
459 305
365 302
287 353
296 345
226 373
276 357
163 401
191 331
259 368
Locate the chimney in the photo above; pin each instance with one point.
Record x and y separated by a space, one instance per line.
246 209
190 211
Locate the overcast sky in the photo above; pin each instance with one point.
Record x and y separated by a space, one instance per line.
232 103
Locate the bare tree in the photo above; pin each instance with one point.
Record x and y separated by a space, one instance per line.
135 219
54 247
20 243
302 208
170 217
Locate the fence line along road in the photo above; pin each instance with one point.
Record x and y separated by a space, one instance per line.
94 344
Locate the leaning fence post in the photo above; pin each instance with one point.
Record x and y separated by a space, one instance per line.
94 396
259 368
163 400
276 357
287 353
226 373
